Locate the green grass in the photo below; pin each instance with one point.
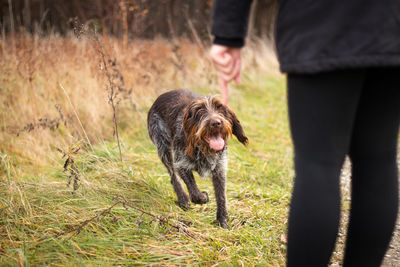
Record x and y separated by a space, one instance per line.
36 206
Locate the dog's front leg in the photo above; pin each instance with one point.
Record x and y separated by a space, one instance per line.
219 182
196 196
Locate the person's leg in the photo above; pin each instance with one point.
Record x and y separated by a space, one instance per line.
322 110
374 176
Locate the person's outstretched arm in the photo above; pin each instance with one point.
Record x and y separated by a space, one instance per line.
229 26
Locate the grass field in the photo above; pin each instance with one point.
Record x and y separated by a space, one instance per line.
124 212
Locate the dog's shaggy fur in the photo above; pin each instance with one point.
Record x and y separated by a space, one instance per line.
190 133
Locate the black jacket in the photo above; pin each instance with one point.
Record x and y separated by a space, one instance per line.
320 35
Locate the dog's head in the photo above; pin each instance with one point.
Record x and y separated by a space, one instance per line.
208 123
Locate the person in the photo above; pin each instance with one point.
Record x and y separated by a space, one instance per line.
342 60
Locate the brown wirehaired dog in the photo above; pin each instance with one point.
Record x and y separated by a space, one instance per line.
190 132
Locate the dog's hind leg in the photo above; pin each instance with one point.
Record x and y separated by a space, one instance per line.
161 137
166 158
196 196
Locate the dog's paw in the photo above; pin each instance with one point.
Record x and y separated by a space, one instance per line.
205 197
184 204
201 198
223 221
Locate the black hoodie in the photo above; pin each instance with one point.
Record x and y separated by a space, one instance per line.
320 35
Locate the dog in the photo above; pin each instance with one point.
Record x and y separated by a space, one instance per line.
190 133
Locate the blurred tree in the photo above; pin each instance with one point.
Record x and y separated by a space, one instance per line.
129 18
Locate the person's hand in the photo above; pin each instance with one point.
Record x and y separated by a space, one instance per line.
227 62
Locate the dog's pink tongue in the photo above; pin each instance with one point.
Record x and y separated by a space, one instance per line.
217 143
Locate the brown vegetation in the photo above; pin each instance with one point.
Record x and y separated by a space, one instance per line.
127 18
54 90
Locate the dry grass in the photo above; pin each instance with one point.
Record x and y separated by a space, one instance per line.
124 212
34 74
54 88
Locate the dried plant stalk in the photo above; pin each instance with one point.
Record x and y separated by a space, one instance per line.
69 165
115 81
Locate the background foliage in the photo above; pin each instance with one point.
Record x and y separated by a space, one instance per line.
142 18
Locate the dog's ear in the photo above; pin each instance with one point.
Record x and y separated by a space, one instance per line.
190 128
237 128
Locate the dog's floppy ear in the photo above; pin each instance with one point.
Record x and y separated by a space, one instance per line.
237 128
190 128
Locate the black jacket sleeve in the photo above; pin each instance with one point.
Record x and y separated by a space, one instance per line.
229 21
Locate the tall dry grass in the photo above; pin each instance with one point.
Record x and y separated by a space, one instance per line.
54 89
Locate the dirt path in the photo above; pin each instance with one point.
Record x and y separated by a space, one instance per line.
392 258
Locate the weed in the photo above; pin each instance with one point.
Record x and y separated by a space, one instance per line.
69 165
114 79
46 123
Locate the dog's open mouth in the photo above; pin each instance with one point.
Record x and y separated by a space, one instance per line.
216 142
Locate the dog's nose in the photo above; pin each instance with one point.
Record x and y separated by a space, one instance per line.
216 123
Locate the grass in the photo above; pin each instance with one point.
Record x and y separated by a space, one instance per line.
124 213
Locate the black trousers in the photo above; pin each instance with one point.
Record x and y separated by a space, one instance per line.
334 114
